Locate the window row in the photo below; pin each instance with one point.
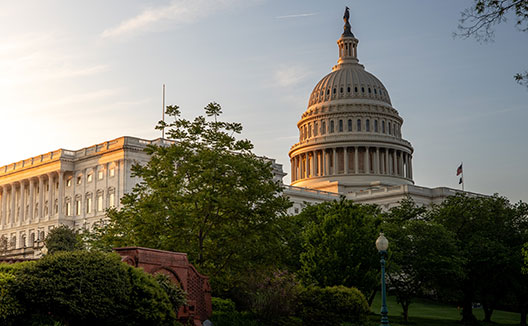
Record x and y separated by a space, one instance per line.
89 177
316 128
348 90
75 207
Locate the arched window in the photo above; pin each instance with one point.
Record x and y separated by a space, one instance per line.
332 126
309 130
349 124
390 129
340 125
358 124
376 125
348 89
341 89
323 127
375 91
315 128
355 89
383 126
334 90
369 90
367 125
362 89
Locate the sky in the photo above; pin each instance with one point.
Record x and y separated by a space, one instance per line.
77 73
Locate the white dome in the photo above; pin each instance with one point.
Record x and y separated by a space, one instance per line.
349 81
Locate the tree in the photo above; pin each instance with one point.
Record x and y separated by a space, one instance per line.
63 238
478 21
422 253
205 194
339 245
483 228
88 288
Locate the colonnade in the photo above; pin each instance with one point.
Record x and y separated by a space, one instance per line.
31 200
351 160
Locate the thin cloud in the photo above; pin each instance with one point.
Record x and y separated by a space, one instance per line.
177 12
296 15
290 76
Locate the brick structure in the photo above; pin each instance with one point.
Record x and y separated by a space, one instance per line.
177 267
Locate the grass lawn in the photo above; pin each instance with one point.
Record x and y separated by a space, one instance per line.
424 312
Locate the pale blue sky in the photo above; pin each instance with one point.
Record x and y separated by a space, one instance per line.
75 73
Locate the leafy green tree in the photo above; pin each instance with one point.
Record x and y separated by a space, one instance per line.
339 245
63 238
205 194
90 288
483 228
479 20
422 253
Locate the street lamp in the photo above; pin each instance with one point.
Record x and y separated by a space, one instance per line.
382 244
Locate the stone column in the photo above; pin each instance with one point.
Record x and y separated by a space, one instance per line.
323 169
334 151
3 206
367 160
314 158
13 205
356 160
387 166
22 202
377 165
31 212
50 196
61 194
394 165
400 164
345 154
410 167
41 198
292 177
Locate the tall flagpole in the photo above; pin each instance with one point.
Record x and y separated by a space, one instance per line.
163 114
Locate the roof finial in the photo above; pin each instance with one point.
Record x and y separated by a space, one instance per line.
346 17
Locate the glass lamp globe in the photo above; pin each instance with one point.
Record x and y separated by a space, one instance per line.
382 243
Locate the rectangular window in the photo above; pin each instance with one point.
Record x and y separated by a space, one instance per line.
89 177
340 125
89 205
68 209
359 125
69 182
78 207
383 126
332 126
100 174
376 125
367 125
349 125
111 200
315 128
79 180
112 171
100 203
323 127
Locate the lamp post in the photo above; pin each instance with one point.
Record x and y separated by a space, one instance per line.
382 244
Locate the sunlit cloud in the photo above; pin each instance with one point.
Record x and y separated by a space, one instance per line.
296 15
291 75
176 12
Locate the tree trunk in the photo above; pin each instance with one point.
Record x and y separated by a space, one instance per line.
405 308
467 309
488 311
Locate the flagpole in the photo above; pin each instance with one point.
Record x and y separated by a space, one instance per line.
163 114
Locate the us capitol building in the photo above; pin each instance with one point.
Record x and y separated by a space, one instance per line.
350 144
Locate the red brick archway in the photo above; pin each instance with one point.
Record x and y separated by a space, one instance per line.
177 267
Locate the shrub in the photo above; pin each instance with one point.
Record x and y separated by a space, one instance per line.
63 238
91 288
9 305
332 306
177 296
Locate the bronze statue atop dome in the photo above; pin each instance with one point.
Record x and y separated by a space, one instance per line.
346 17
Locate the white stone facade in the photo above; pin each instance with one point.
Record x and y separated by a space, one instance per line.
67 187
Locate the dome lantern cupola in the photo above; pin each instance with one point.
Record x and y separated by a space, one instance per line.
347 44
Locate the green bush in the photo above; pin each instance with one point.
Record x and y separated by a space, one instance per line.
9 305
332 306
90 288
223 305
63 238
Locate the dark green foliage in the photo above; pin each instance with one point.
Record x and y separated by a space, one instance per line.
82 288
422 254
63 238
225 314
333 306
177 296
207 195
10 307
338 245
271 296
489 233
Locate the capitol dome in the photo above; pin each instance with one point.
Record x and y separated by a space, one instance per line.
350 135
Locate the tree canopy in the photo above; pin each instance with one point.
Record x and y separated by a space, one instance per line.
205 194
